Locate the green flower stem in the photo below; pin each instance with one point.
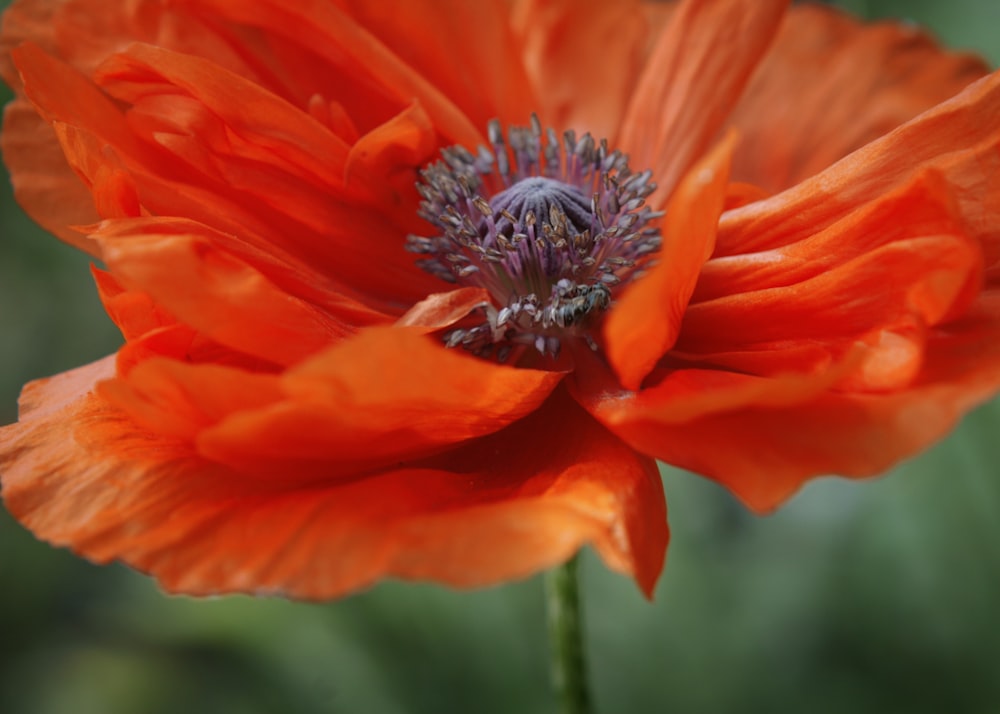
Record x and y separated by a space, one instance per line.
569 675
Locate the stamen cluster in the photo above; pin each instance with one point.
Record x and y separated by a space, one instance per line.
550 228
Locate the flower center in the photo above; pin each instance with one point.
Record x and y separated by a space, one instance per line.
551 229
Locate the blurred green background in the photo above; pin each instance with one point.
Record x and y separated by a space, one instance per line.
875 597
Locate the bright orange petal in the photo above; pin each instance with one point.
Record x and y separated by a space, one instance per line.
62 94
387 394
800 306
178 400
465 49
84 33
25 21
959 138
344 46
181 343
44 184
774 444
682 394
40 167
236 135
134 312
850 83
405 140
647 319
265 193
442 310
78 474
385 160
583 58
182 268
932 276
924 206
263 128
589 476
692 80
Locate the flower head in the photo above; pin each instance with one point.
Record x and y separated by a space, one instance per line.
395 306
563 224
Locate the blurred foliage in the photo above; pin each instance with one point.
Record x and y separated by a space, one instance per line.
876 597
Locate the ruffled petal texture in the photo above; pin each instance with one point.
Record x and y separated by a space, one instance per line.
558 43
851 84
277 421
647 319
833 329
694 76
284 417
78 472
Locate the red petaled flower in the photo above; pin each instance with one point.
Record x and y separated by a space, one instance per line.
421 289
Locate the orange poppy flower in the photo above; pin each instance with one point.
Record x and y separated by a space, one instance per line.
358 345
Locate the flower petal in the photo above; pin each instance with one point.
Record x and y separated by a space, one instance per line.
405 140
274 160
275 131
24 21
932 277
775 444
39 166
79 474
386 160
181 266
44 184
647 319
960 138
691 81
851 82
385 395
339 45
463 48
135 313
83 33
62 94
921 207
266 197
583 57
442 310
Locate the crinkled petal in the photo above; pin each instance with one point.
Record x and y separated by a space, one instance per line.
277 163
78 473
339 44
84 33
263 192
771 452
803 305
382 396
134 312
442 310
583 58
692 80
851 83
61 94
931 276
24 21
765 437
44 184
924 206
183 269
406 140
960 138
262 126
466 50
647 319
